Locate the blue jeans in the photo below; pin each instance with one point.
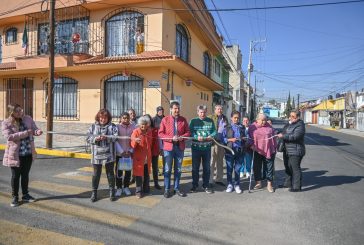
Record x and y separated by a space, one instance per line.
233 162
197 156
176 156
246 164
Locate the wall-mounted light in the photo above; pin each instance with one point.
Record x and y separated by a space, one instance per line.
188 82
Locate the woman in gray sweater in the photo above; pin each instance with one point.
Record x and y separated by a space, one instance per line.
102 151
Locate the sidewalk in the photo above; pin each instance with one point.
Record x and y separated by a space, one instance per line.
75 147
340 130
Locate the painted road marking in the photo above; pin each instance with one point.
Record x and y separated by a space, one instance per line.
71 210
14 234
146 202
66 189
80 177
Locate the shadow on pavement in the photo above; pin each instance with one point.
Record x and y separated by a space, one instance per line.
323 140
316 179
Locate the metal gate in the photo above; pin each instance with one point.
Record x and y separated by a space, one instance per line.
122 93
20 91
360 121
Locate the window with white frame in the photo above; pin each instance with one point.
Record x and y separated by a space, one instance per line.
11 35
123 32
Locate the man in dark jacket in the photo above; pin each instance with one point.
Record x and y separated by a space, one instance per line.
293 136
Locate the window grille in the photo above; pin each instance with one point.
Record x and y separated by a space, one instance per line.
65 99
19 90
11 35
122 93
206 64
65 43
1 50
182 43
217 68
121 33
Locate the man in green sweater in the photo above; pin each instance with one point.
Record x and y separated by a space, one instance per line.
202 130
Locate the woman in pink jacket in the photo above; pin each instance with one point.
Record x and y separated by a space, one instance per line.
19 129
264 148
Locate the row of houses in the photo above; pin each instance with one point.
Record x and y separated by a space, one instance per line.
117 55
344 111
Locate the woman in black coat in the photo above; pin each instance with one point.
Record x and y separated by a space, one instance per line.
294 149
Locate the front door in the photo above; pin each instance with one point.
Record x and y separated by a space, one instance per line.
20 91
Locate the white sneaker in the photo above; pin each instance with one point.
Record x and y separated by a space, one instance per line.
237 189
119 192
241 174
127 191
248 175
229 188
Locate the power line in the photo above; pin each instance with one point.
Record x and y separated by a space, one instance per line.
240 9
222 23
309 75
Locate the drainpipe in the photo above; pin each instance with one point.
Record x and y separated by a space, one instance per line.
172 94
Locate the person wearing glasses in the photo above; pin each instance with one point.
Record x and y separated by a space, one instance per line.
19 129
293 135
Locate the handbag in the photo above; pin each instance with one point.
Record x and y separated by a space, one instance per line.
125 163
280 145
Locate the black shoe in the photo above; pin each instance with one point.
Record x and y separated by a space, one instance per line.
220 183
94 196
179 193
14 202
208 190
157 187
193 189
283 186
112 194
28 198
167 194
294 190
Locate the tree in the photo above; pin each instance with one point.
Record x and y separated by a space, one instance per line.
288 105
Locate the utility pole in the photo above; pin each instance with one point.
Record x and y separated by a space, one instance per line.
250 70
49 138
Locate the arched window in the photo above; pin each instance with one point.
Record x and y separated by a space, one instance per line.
122 93
11 35
65 103
206 64
121 33
182 43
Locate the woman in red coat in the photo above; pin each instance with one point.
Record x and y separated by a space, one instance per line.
141 141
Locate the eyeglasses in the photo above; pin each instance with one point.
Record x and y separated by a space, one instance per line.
18 110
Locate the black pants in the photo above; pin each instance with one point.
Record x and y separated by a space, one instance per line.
268 164
292 165
155 168
97 174
23 172
119 176
142 183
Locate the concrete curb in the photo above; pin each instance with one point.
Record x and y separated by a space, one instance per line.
41 151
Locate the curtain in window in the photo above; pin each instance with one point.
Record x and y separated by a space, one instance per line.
123 93
63 37
120 33
65 97
182 43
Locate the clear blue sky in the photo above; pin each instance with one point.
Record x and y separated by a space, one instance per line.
302 45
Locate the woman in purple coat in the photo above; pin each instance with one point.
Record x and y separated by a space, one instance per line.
19 129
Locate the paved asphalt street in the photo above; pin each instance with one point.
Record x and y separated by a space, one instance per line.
327 211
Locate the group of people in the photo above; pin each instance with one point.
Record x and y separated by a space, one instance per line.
131 149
